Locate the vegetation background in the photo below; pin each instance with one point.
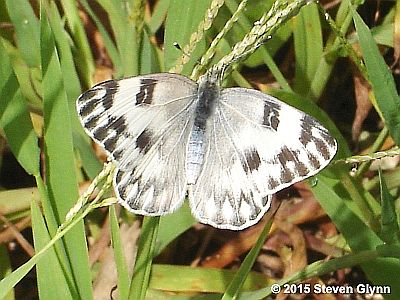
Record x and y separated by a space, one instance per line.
336 60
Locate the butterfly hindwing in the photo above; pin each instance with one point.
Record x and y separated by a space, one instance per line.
142 122
224 196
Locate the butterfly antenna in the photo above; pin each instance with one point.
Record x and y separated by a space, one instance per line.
177 46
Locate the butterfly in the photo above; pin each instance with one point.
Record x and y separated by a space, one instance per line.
230 149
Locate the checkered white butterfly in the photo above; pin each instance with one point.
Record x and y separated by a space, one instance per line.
231 148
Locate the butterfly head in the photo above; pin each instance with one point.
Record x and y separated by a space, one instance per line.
213 77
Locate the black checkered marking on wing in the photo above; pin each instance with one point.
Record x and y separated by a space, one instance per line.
251 160
103 92
146 91
322 144
271 115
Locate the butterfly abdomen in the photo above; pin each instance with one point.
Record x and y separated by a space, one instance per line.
208 94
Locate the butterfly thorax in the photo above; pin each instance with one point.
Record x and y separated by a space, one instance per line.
207 98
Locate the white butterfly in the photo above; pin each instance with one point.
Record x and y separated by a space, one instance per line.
232 148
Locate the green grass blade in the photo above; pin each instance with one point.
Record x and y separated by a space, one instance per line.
108 42
125 35
15 119
308 45
59 287
204 280
149 62
60 173
29 79
27 30
11 280
158 16
82 52
383 34
73 89
173 225
235 287
381 79
119 255
182 20
390 232
141 272
71 80
5 269
326 64
263 52
17 200
357 234
320 268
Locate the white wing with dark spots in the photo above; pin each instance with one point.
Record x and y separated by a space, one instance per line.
258 145
232 149
143 123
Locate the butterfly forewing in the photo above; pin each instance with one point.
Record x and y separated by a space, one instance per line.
279 144
143 124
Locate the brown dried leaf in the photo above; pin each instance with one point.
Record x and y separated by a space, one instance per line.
242 243
106 279
364 105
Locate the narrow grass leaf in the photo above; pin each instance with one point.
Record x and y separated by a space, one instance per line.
16 276
73 89
10 281
389 250
141 272
333 198
173 225
158 16
17 200
316 269
326 63
29 79
381 79
112 50
82 52
357 234
389 224
15 119
124 31
263 51
149 62
202 280
5 269
27 30
119 256
383 34
59 287
235 287
308 46
60 171
182 20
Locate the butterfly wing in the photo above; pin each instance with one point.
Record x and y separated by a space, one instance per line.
142 122
258 146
